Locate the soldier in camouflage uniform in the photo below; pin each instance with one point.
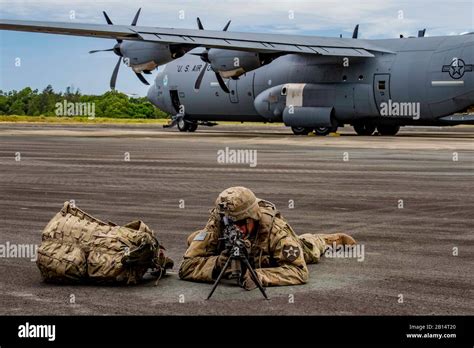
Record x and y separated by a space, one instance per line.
278 254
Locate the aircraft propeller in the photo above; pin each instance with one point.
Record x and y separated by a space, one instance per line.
116 50
205 58
355 33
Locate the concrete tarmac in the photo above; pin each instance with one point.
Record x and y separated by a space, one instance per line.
408 200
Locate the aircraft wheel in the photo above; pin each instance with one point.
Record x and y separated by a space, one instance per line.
192 127
388 130
324 130
364 129
300 130
183 126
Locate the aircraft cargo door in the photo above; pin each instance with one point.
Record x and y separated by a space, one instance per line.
381 89
233 95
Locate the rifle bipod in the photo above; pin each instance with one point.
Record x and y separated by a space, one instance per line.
239 258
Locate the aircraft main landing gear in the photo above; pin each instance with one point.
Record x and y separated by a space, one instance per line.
388 130
364 129
318 131
301 130
323 131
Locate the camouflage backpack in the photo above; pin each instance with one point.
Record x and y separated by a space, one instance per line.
78 248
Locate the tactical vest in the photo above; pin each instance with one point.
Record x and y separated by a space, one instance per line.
272 227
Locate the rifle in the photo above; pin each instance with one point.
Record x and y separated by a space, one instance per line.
237 248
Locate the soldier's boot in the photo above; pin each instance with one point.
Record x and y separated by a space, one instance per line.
339 239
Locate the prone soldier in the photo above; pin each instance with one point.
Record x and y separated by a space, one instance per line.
279 256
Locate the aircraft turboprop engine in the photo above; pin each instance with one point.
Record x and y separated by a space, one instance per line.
232 64
140 56
229 63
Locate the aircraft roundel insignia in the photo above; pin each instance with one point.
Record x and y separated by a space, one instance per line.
291 252
457 68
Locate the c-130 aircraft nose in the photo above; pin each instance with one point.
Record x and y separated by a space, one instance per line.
152 95
156 92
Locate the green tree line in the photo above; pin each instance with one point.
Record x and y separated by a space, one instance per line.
45 103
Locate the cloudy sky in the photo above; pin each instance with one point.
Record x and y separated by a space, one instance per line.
63 60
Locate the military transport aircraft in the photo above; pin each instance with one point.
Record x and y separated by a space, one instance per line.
309 83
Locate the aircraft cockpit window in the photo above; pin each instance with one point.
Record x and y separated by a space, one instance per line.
161 68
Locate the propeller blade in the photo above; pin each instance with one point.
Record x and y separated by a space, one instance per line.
355 34
135 20
200 26
226 26
421 33
142 79
203 55
113 78
95 51
222 83
109 22
205 58
197 84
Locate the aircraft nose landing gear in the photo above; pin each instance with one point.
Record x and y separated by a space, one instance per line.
186 126
182 124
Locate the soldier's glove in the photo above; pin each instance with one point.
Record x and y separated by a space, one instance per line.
222 259
220 263
247 282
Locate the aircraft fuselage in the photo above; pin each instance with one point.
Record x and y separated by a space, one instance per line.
423 80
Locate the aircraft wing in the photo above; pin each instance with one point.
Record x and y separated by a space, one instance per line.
264 43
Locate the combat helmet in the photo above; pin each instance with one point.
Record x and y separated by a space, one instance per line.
238 203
